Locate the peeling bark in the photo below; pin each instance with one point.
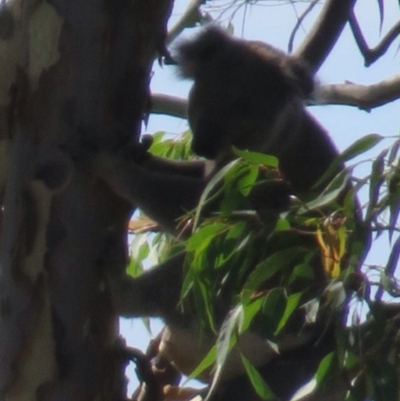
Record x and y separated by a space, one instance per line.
77 72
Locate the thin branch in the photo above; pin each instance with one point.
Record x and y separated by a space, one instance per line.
189 18
357 34
365 97
299 22
371 55
168 105
325 32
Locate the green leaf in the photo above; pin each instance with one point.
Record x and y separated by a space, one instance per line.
393 259
159 146
267 268
212 185
246 183
303 270
231 201
204 235
351 360
360 146
206 363
273 308
244 242
227 339
204 307
325 367
260 386
177 148
139 251
250 310
282 225
257 158
237 230
376 182
134 268
394 150
291 305
187 284
394 199
238 182
139 247
263 271
329 194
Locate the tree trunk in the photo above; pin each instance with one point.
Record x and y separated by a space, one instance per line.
74 73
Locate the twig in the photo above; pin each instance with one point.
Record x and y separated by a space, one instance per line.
299 22
189 17
371 55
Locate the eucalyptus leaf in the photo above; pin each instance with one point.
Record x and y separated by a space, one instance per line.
246 183
292 304
376 181
280 260
330 193
250 310
260 386
212 185
206 363
226 341
257 158
325 367
360 146
203 236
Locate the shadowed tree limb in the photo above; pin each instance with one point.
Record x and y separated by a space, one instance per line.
170 105
365 97
325 32
299 22
189 18
371 55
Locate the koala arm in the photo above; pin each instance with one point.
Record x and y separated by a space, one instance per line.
155 293
194 169
161 190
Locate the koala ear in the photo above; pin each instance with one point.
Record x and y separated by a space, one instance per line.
301 76
193 54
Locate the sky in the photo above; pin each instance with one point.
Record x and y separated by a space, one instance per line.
272 22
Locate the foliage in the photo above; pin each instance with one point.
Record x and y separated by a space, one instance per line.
159 246
266 264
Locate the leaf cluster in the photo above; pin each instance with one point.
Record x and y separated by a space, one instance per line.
297 269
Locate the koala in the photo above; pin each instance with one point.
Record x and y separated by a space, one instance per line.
247 95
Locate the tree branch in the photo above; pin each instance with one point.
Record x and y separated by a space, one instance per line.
364 97
302 17
169 105
371 55
189 18
325 32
